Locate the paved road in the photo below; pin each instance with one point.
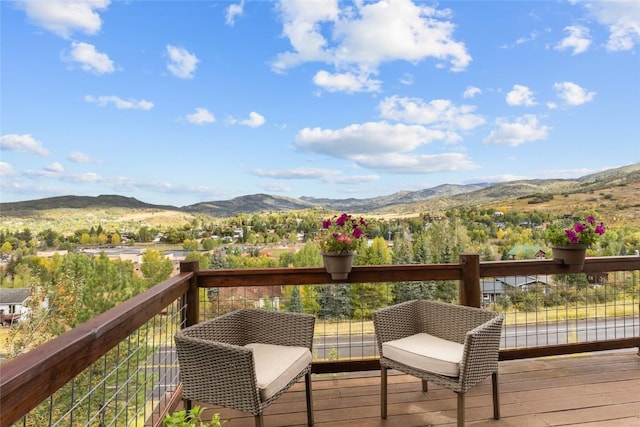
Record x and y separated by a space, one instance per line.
513 336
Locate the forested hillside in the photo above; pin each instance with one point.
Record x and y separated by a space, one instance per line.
614 193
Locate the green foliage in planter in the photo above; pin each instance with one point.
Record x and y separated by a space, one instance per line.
191 418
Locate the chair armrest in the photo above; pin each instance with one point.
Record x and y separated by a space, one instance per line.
480 356
395 322
217 373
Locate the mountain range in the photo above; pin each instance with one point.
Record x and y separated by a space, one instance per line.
441 197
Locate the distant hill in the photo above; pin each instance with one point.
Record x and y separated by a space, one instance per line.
626 181
249 204
79 202
395 199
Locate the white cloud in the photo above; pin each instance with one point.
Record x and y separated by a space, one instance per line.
403 164
119 103
325 175
78 157
353 179
24 143
524 129
6 170
520 95
406 79
399 30
383 147
438 113
89 59
346 82
56 171
295 173
182 63
86 177
233 11
63 17
622 17
363 35
522 40
301 25
201 116
255 120
125 184
54 168
578 39
531 37
471 92
572 94
275 187
372 138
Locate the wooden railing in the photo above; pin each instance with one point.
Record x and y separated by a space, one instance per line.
30 378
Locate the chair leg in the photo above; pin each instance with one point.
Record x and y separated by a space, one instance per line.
307 381
259 420
496 396
383 392
460 409
425 385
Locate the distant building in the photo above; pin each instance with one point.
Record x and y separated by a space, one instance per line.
526 252
492 289
13 305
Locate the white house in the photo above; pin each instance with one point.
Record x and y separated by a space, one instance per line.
13 305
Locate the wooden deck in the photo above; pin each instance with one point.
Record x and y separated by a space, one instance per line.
587 390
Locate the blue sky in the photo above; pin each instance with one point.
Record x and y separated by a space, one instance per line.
179 102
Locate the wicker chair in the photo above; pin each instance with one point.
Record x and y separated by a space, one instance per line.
246 359
452 345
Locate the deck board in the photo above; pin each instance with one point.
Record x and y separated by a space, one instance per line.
587 390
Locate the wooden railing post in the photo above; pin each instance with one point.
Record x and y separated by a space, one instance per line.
193 305
470 294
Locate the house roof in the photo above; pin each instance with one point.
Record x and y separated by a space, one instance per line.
13 295
523 249
492 286
498 285
521 280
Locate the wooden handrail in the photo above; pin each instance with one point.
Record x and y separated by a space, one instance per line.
34 376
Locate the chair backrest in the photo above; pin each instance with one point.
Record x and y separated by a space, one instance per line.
450 321
228 328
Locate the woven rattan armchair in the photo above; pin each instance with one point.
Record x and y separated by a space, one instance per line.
452 345
246 359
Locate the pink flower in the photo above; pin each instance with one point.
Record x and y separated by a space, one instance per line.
343 238
342 219
572 235
342 233
580 232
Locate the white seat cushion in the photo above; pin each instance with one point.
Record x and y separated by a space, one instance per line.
427 353
276 365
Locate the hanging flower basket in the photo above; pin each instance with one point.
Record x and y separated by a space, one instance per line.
573 254
338 265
